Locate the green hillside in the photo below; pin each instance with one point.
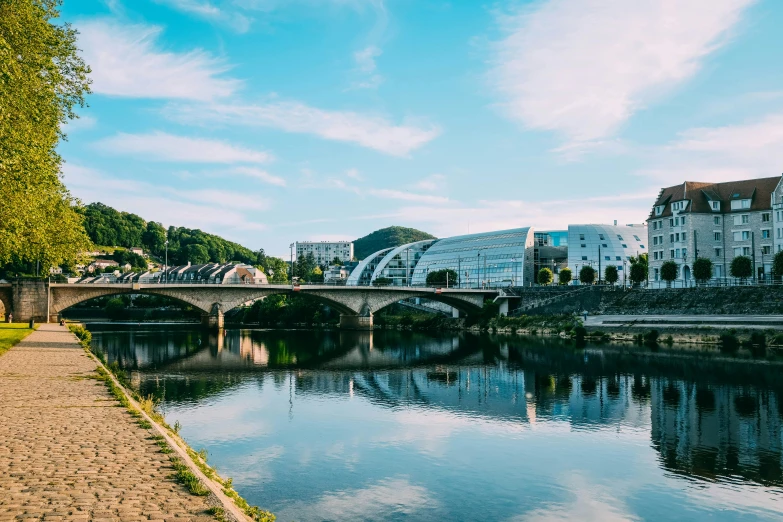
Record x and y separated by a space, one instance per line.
385 238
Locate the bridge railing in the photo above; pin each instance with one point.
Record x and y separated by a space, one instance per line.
326 285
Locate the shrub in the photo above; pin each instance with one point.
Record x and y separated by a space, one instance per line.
702 269
445 277
741 267
758 344
382 281
729 342
651 337
777 265
564 277
587 275
669 270
579 334
544 276
610 274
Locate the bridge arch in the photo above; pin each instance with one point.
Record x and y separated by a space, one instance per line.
63 299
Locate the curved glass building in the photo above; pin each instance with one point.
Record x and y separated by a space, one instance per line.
489 259
362 274
602 245
399 262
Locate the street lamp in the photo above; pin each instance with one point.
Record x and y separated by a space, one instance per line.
291 247
166 266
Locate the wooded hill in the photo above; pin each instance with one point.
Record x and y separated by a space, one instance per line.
109 227
386 238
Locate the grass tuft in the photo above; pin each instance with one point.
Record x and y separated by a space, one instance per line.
187 478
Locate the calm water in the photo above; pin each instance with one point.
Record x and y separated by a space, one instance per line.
400 426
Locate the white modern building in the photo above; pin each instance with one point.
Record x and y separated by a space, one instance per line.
600 246
325 252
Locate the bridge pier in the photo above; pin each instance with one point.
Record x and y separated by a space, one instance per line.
30 300
215 319
355 322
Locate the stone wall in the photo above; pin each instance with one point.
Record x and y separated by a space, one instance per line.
30 300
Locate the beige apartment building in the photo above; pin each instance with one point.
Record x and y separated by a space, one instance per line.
719 221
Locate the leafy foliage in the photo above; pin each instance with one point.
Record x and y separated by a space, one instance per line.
382 281
544 276
386 238
42 80
639 269
610 274
669 270
741 267
702 269
443 277
777 264
587 275
565 275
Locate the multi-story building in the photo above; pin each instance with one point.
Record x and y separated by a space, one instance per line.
717 221
324 252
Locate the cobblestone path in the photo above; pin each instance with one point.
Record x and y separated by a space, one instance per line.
68 452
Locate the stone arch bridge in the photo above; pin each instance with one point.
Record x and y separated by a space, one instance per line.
44 301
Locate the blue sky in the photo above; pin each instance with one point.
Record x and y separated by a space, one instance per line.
270 121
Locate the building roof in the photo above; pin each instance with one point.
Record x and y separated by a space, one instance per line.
759 191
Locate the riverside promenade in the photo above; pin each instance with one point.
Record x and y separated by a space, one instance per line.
68 452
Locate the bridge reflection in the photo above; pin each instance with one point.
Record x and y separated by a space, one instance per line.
708 417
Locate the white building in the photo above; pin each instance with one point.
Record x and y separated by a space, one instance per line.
324 252
599 246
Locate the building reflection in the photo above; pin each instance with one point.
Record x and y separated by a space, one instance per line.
709 418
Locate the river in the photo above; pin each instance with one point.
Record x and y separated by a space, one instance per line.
389 425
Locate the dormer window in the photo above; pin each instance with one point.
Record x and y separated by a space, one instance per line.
659 210
739 204
715 205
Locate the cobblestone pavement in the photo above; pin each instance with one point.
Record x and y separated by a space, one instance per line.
68 452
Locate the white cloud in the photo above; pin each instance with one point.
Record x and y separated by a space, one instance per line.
366 68
80 123
431 183
374 132
262 175
181 207
353 174
407 196
126 61
168 147
210 12
391 496
583 67
726 153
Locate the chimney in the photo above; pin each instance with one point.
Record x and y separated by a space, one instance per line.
615 222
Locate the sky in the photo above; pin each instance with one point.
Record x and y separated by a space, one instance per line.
273 121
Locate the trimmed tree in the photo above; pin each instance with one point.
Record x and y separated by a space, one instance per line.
777 265
442 277
702 269
669 271
639 268
564 277
544 276
382 281
741 267
587 275
610 274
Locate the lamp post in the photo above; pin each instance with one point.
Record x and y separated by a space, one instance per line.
166 266
599 264
291 247
478 270
625 273
459 272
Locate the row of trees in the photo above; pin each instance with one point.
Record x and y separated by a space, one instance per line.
741 267
588 274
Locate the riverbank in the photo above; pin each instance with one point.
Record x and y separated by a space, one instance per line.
70 452
11 334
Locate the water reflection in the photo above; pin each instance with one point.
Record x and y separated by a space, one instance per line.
709 419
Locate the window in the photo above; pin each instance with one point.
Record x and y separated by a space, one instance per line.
641 245
745 251
718 252
671 254
677 236
584 258
685 236
581 237
745 219
765 217
655 225
716 220
739 204
737 251
683 220
625 246
742 235
604 245
619 237
655 240
584 245
715 205
766 249
636 237
601 237
659 210
716 235
684 253
655 256
618 258
607 258
671 238
671 222
737 220
765 234
677 253
676 222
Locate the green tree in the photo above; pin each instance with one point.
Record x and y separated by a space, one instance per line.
777 265
276 270
702 269
639 269
565 275
317 275
669 271
587 275
115 308
195 254
741 267
336 261
42 80
441 277
544 276
610 274
382 281
153 239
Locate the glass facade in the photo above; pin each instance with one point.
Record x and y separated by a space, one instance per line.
602 245
490 259
399 263
362 274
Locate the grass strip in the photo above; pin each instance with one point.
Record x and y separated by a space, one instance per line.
11 334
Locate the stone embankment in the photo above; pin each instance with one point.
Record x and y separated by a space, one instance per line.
69 452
